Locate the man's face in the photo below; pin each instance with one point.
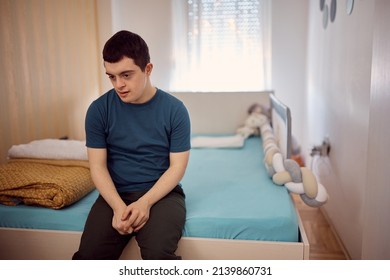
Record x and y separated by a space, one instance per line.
129 80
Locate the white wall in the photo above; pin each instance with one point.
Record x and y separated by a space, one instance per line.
338 91
376 220
346 102
289 53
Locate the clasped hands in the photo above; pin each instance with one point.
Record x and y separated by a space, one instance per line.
131 218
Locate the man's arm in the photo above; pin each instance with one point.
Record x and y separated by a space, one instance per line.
103 182
137 213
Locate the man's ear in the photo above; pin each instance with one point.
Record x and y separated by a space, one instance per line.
149 68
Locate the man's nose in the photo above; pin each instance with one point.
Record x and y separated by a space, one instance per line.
120 83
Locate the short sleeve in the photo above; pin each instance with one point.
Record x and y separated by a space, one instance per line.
181 130
95 127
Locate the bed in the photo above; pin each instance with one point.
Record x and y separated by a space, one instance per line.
234 210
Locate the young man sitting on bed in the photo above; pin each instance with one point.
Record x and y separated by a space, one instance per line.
138 141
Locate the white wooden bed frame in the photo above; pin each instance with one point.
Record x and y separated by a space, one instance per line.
206 117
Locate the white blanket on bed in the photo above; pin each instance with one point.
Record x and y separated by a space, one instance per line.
234 141
50 149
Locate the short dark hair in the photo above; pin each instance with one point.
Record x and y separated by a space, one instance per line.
127 44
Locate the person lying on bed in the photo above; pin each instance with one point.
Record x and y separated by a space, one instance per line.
138 141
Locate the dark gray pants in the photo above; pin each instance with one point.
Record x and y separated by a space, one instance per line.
157 239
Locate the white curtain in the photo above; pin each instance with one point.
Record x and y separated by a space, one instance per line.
221 45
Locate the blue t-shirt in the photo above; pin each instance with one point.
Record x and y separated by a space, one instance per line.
138 137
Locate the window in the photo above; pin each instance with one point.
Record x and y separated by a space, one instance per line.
221 45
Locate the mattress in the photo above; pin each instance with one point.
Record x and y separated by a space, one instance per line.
228 195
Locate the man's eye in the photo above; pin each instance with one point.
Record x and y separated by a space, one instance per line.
112 78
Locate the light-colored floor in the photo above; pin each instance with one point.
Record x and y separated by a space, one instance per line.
324 244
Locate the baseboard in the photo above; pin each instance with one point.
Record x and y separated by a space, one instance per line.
338 239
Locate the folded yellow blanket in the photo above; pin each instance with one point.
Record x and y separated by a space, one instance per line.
48 183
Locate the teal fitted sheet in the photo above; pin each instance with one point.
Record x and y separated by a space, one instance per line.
231 196
71 218
228 195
